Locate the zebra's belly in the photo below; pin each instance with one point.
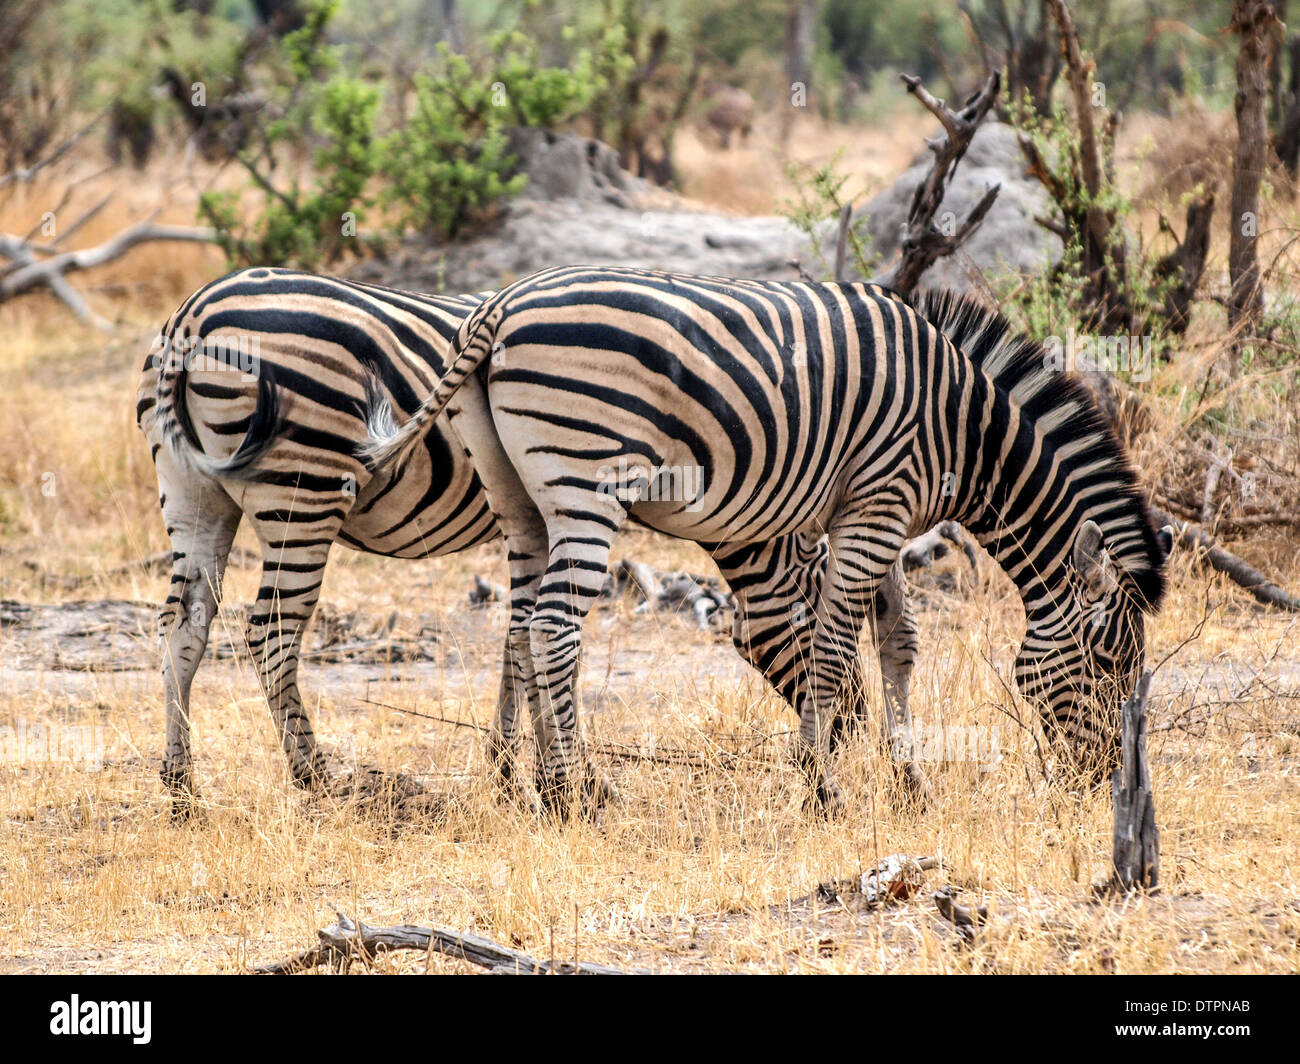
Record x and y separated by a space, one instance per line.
672 519
433 505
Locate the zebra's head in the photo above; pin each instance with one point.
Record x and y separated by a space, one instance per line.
1081 667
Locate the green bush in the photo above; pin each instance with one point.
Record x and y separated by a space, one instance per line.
448 166
305 227
449 163
336 115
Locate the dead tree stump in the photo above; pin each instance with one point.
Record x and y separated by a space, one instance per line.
1136 847
923 242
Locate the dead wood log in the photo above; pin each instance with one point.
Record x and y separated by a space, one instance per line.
895 878
1135 852
923 242
30 272
345 942
924 551
1241 572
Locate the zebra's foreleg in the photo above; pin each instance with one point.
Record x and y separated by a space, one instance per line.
201 522
861 553
777 586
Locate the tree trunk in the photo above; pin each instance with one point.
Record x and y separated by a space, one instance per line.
1104 258
800 27
1183 266
1254 21
1287 139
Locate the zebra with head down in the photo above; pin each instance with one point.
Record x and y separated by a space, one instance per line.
272 437
811 409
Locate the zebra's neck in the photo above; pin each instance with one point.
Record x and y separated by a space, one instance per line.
1036 476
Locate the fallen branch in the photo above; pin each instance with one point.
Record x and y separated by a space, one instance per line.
1241 572
344 942
32 273
23 175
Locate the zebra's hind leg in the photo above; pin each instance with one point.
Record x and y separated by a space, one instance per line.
201 522
527 558
291 580
579 539
893 630
503 739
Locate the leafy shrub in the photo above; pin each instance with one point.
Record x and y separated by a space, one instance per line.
449 165
307 227
337 114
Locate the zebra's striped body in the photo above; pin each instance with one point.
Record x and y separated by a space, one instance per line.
807 409
275 364
255 404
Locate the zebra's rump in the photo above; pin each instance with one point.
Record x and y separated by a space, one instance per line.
278 363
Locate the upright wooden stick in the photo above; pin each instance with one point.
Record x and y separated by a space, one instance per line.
1136 848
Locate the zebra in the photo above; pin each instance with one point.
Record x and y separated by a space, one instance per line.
254 400
836 409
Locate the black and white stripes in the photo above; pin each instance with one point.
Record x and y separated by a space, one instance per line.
269 433
806 410
259 394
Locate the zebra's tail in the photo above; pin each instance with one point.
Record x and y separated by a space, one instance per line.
390 445
176 427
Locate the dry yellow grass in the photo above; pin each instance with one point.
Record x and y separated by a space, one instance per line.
697 868
704 868
752 178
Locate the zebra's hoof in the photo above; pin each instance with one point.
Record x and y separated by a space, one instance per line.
915 787
185 810
184 794
314 777
514 792
597 792
562 796
827 800
557 796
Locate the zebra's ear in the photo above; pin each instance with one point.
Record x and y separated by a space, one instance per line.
1165 540
1090 559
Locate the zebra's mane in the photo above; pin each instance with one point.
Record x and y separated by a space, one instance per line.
1017 365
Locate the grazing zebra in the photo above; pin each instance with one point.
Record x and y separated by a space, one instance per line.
254 403
806 409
